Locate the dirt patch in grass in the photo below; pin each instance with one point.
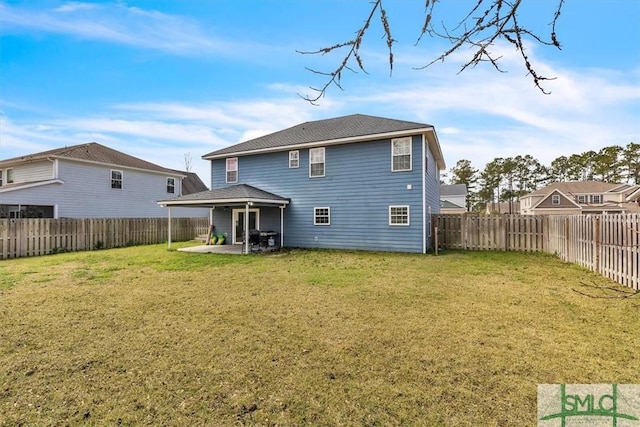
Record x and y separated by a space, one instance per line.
148 336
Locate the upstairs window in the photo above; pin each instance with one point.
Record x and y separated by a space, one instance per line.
316 162
116 179
582 199
322 216
9 173
596 198
171 185
232 170
294 159
398 215
401 154
1 175
555 199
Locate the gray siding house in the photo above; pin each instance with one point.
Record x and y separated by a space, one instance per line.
353 182
90 181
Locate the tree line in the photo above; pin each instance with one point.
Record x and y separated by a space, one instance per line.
506 179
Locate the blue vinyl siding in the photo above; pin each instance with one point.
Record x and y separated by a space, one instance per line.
86 193
358 186
432 192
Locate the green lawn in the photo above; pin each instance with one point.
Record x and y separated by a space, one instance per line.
146 336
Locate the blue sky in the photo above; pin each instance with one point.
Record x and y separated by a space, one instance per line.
159 79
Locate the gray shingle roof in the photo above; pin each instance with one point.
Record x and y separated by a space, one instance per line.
353 126
575 187
453 190
191 183
239 193
94 152
446 204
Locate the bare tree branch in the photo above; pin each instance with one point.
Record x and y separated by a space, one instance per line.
487 22
353 51
608 292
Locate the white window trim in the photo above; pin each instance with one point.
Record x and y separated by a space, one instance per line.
555 197
227 170
1 177
121 179
294 155
408 223
315 215
410 154
174 185
6 176
324 162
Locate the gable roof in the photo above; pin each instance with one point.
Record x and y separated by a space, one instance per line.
575 187
191 183
453 190
634 196
561 194
352 128
94 153
446 204
239 193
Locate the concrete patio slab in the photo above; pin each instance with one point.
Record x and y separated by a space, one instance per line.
214 249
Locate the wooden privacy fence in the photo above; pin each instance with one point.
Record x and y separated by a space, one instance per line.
606 244
42 236
490 232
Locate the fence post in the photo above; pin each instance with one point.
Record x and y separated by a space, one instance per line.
464 231
566 238
597 242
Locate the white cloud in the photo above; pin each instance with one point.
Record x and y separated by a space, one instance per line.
481 114
118 23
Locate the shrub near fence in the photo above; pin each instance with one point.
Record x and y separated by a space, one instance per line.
606 244
42 236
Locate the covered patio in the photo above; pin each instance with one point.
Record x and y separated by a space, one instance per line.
234 210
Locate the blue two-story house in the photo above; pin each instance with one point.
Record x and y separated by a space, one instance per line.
352 182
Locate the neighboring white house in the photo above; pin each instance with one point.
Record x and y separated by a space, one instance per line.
90 181
580 197
453 198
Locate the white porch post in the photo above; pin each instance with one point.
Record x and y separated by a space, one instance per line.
281 226
169 241
246 228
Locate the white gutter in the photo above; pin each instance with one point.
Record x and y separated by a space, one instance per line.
165 203
354 139
31 185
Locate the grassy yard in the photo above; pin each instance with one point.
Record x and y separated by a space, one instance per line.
146 336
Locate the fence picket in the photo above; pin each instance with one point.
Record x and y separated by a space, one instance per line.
606 244
33 237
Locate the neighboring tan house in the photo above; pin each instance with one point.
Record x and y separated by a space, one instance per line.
579 197
90 181
353 182
453 198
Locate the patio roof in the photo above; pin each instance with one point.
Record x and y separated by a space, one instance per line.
233 194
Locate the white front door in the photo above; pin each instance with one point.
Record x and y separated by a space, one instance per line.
239 221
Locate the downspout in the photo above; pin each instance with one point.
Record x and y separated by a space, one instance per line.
282 226
424 194
246 228
169 244
55 167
